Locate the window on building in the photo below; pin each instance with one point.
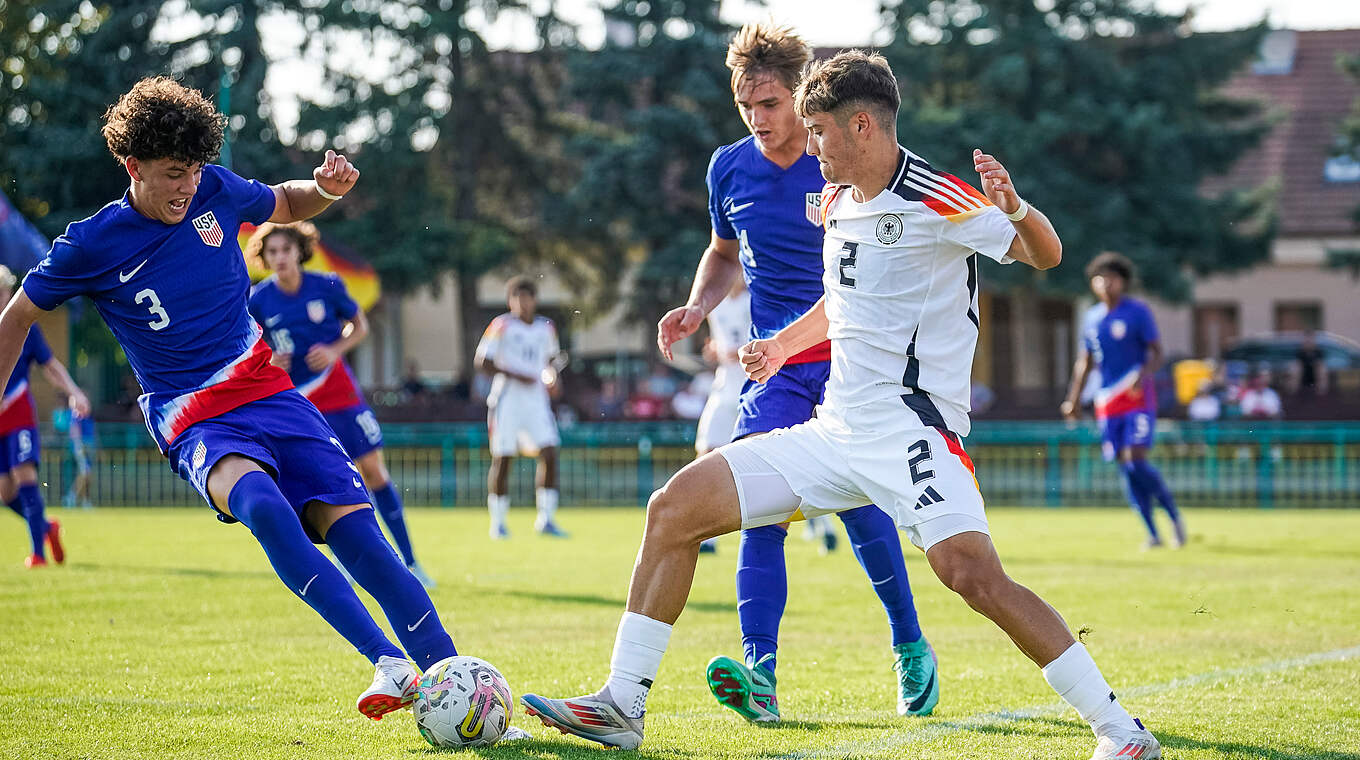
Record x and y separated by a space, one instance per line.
1298 315
1216 325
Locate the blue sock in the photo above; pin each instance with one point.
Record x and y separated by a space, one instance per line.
30 500
1155 485
359 544
17 506
873 537
388 504
1139 498
762 590
258 504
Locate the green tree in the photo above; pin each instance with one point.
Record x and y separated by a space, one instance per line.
657 102
1108 113
454 140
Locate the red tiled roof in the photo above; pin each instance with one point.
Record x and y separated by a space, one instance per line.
1313 97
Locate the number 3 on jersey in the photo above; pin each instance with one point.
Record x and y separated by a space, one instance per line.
153 302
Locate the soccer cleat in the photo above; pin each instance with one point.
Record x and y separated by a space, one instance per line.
514 734
34 561
1180 537
54 541
421 575
748 691
394 687
594 717
499 532
918 677
1126 743
550 528
1152 543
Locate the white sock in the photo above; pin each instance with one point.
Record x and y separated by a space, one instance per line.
499 506
546 499
638 648
1078 681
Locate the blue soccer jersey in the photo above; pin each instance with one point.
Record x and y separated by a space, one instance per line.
174 296
295 322
775 215
16 409
1117 340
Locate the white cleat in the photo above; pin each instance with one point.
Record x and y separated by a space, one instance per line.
394 687
1126 743
594 717
421 575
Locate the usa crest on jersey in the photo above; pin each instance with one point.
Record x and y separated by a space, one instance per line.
316 310
812 208
208 229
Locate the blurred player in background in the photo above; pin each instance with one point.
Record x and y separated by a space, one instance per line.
1119 339
903 242
311 322
520 351
164 271
80 433
19 442
764 206
729 324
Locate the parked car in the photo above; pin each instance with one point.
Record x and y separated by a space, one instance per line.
1278 351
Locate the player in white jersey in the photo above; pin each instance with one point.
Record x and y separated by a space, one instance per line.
901 249
520 349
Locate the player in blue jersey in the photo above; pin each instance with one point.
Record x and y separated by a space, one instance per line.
310 322
80 433
764 204
19 443
1119 339
163 269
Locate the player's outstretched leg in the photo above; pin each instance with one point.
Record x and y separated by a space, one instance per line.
967 563
387 503
873 537
748 688
42 533
1141 501
1155 486
699 502
256 501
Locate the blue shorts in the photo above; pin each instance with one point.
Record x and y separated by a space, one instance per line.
17 447
1124 431
288 437
81 454
357 429
783 401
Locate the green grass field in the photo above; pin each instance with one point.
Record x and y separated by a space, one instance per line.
166 635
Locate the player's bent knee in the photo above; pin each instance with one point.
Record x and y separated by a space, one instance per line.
224 475
321 516
698 502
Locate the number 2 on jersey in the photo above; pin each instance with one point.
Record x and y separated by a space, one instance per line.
848 262
153 302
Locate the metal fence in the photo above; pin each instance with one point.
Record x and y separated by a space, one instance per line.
1225 465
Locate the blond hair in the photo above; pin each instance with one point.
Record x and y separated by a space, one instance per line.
767 49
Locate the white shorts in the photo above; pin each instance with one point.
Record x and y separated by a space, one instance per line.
919 475
521 426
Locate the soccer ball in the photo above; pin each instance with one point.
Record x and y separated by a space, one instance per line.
462 702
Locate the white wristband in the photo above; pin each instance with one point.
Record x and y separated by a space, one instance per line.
1019 213
326 195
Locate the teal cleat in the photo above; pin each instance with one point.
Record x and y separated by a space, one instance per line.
918 680
749 691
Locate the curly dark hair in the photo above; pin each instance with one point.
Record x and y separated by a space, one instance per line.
1109 261
518 283
303 234
161 118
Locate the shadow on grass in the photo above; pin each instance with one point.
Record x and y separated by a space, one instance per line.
595 600
553 749
190 572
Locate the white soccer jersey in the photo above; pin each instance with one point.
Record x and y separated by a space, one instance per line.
901 283
730 325
519 347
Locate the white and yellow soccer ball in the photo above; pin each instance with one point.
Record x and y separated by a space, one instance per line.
462 702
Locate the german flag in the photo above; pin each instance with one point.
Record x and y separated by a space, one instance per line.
360 279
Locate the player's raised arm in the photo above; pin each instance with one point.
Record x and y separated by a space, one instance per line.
761 359
18 316
57 375
718 268
1036 242
301 199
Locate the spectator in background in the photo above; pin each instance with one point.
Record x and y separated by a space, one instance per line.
1310 373
1205 406
412 383
1259 401
611 402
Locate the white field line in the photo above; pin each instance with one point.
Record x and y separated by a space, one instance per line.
895 739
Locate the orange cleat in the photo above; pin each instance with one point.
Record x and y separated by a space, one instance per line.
54 541
33 562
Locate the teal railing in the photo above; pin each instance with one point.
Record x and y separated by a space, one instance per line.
1240 464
